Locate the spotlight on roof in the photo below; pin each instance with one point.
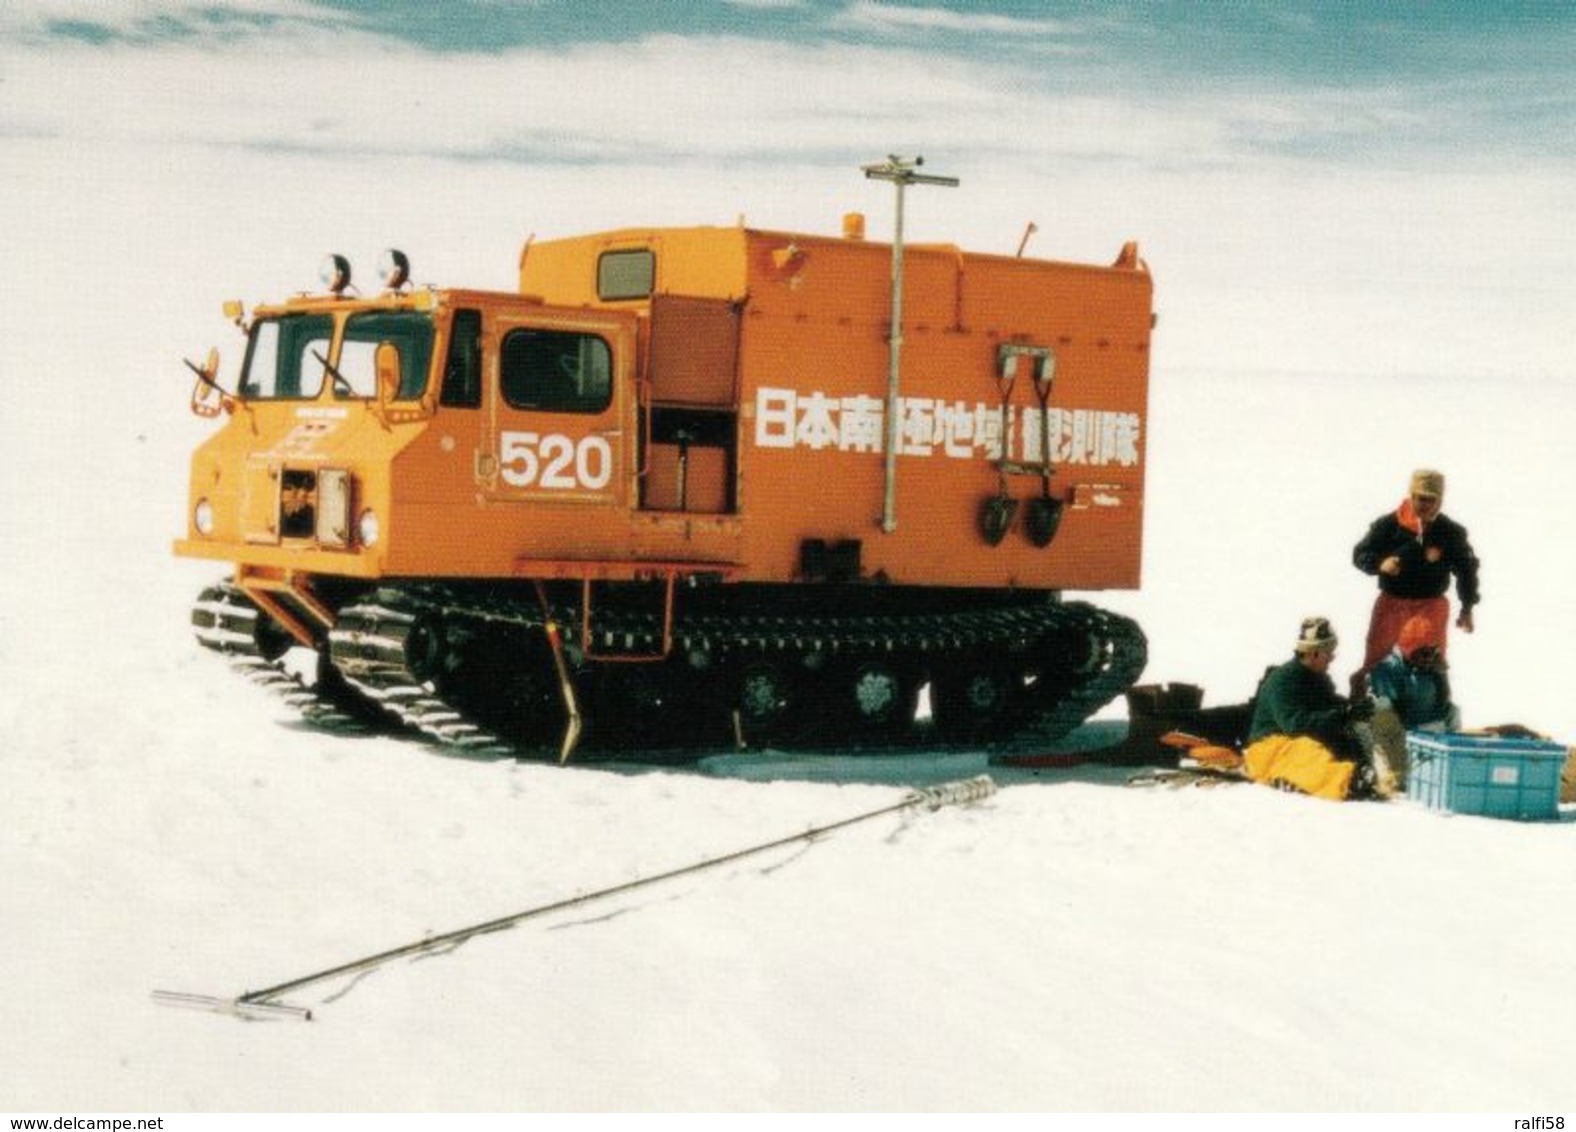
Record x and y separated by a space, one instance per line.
335 273
394 269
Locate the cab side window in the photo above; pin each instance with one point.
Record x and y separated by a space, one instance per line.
556 371
462 370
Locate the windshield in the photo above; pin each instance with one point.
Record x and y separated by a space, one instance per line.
279 359
285 358
409 332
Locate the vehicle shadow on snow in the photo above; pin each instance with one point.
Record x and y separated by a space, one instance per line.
916 767
1080 756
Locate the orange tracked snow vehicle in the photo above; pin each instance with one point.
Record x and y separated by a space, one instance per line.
685 488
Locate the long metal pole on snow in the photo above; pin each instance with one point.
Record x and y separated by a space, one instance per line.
260 1004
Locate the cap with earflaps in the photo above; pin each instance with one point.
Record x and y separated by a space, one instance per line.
1316 635
1428 483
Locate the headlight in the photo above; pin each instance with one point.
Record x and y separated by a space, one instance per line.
367 527
202 517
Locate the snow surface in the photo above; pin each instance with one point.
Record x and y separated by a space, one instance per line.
1069 944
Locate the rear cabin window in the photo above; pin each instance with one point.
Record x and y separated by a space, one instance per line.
556 371
626 275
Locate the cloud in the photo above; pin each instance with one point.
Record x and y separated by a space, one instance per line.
719 100
890 19
157 22
294 76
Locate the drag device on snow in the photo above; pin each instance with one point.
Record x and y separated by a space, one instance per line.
688 486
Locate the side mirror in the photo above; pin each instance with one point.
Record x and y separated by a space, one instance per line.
208 400
386 361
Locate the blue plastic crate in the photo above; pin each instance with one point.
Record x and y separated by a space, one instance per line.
1485 775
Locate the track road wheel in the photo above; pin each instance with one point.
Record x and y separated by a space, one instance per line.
880 699
507 684
765 702
273 639
426 649
1061 661
644 705
976 702
527 706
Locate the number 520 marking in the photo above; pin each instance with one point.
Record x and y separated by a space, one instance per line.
555 461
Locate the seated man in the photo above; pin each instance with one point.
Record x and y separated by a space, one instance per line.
1411 693
1411 680
1301 737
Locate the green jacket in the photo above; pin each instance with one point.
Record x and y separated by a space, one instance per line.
1295 700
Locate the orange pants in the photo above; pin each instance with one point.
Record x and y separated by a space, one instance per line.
1384 629
1298 763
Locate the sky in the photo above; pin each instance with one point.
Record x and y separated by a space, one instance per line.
786 81
1332 157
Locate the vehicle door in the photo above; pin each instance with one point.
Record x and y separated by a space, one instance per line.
560 399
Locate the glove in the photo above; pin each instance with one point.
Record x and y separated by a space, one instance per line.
1360 711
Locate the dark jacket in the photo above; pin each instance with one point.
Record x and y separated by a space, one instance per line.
1296 700
1428 558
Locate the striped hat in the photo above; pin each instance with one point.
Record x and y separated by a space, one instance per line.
1316 635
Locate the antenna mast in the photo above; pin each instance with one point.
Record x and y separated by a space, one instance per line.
901 173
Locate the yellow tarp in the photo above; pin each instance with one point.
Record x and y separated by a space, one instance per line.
1298 763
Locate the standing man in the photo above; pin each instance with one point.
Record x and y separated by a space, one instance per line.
1414 550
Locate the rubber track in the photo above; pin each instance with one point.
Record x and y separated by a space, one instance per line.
226 621
368 647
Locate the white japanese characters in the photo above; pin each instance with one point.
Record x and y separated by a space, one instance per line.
788 418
